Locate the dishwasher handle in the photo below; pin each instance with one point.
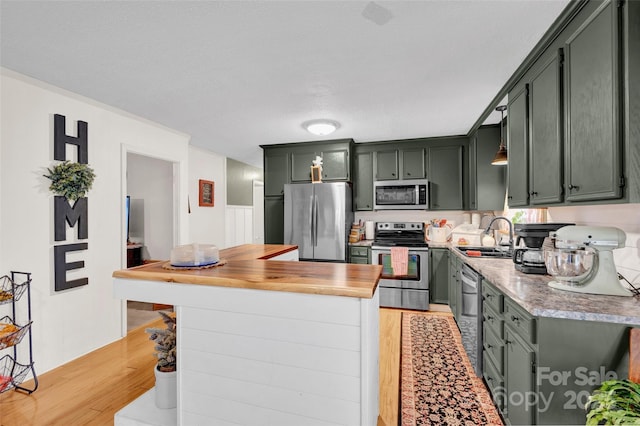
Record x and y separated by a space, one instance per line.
469 277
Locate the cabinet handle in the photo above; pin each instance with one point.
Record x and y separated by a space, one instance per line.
533 193
489 296
489 318
489 346
571 187
393 174
408 174
509 197
515 319
508 342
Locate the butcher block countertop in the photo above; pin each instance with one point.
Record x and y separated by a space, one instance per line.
247 267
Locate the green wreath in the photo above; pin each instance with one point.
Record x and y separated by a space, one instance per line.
71 180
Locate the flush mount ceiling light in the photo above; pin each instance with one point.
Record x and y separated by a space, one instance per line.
501 156
321 127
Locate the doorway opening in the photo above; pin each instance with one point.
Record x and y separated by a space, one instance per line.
150 227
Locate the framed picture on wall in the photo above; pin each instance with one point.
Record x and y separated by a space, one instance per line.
206 193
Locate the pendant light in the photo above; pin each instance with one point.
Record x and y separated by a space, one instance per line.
501 156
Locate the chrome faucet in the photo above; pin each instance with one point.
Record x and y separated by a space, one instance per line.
488 230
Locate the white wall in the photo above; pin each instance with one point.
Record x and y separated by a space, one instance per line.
207 224
150 183
71 323
239 228
623 216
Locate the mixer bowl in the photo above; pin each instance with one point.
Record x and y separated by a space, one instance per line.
570 264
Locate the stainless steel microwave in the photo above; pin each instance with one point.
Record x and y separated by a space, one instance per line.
401 194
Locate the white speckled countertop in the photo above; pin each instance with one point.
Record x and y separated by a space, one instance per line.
533 294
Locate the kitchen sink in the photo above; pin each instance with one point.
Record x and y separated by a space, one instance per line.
492 252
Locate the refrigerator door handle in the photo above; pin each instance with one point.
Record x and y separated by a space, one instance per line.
312 206
314 231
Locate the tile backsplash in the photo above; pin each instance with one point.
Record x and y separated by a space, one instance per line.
623 216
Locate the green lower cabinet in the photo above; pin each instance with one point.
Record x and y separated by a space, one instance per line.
359 254
542 370
455 296
274 220
519 359
439 275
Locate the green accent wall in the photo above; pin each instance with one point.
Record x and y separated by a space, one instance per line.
240 177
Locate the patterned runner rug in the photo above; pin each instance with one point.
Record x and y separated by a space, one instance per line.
437 384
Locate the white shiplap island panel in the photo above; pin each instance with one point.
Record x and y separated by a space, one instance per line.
261 357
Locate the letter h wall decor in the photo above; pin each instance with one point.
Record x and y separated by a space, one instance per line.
65 213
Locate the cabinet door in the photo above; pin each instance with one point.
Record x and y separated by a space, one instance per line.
519 380
473 146
490 180
335 165
387 165
452 284
545 126
413 164
363 181
517 171
276 172
439 276
274 220
445 176
301 163
592 104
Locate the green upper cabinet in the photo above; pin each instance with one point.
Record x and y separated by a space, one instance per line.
487 183
363 181
472 193
545 126
571 126
592 79
413 162
276 171
335 155
445 177
336 164
518 185
387 165
301 165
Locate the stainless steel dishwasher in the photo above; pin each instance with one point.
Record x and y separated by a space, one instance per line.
470 321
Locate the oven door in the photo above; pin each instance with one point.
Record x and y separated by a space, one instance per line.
409 291
417 274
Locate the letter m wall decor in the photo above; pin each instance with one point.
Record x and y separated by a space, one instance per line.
65 213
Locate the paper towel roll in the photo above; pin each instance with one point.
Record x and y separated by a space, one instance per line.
369 230
466 218
475 219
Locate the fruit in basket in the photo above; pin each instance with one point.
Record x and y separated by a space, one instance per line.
5 295
5 381
7 329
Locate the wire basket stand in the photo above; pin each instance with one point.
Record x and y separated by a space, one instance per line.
12 372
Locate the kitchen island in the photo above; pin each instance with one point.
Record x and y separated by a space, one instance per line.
268 341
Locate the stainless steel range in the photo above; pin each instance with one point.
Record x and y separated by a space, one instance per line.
410 291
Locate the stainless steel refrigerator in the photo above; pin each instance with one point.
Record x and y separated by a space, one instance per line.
317 218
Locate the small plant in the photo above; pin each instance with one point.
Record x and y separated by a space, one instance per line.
165 339
71 180
616 402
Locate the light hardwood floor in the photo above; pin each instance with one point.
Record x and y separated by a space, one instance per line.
91 389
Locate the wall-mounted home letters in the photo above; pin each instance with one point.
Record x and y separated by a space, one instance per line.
64 213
